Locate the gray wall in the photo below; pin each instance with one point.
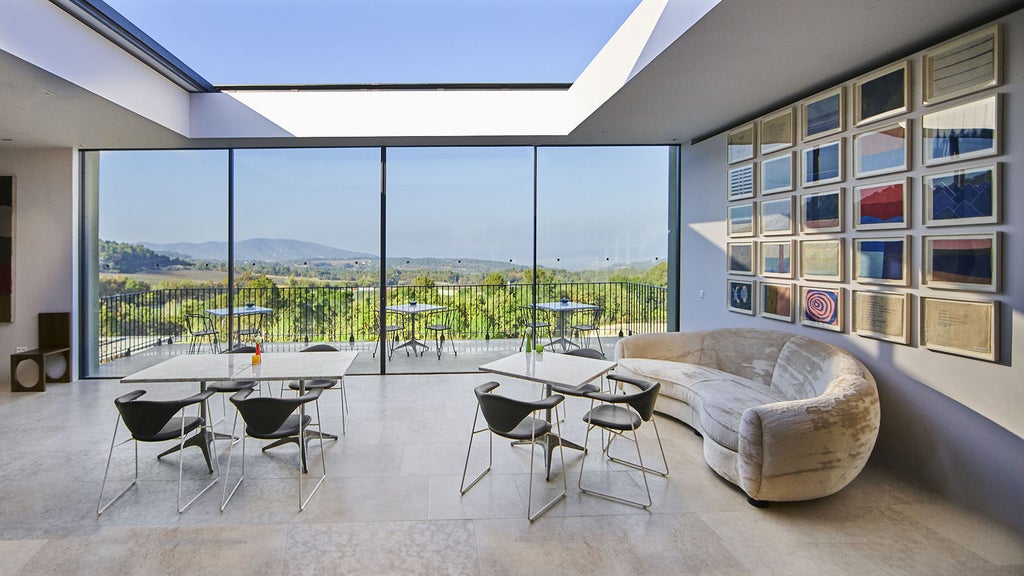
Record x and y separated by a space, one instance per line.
44 223
956 424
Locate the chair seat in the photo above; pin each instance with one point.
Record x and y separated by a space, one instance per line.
289 428
232 386
530 427
393 328
172 429
613 417
311 384
584 327
438 327
572 391
204 333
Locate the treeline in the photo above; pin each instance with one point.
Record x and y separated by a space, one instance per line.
132 258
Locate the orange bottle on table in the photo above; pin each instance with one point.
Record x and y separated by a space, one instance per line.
256 358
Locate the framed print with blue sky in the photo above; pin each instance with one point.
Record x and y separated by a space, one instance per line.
821 212
962 132
777 174
776 217
881 151
741 220
822 164
777 259
961 197
882 94
882 260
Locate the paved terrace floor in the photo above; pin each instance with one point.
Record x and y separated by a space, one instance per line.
391 503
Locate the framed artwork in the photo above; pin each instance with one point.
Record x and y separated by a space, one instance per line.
822 259
882 260
740 257
821 212
881 151
882 94
777 131
962 66
885 205
881 315
741 296
777 174
822 307
741 182
961 197
961 327
962 132
7 249
961 262
822 164
777 217
741 220
822 114
777 259
777 301
741 143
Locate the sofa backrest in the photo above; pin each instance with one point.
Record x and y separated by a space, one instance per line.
806 367
750 353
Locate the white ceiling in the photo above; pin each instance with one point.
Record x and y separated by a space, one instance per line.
743 59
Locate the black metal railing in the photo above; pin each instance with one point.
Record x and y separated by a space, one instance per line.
129 323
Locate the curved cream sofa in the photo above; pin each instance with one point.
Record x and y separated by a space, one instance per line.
783 417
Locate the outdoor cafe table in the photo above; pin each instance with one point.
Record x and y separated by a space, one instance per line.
563 309
412 310
204 368
551 369
255 316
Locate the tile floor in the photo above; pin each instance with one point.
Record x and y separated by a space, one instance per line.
391 503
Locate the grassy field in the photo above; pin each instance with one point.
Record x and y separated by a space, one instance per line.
172 276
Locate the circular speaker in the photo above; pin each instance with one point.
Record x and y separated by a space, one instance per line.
55 367
27 373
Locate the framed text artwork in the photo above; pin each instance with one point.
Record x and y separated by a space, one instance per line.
822 307
777 131
961 262
822 114
882 94
962 66
822 259
881 315
776 217
741 182
881 151
962 132
961 327
6 249
882 260
821 212
961 197
740 220
822 164
741 143
776 301
777 259
777 174
741 257
880 206
741 296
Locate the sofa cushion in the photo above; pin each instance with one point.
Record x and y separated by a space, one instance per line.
722 403
806 367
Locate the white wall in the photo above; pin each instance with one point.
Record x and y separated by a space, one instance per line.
956 423
44 232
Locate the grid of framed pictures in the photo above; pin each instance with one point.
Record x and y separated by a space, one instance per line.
797 174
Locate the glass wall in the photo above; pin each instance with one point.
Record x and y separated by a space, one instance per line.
196 251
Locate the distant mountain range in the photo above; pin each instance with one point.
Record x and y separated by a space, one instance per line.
257 249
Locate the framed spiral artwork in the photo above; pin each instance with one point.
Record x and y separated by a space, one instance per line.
821 307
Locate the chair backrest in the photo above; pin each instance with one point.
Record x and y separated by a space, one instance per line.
501 413
195 323
527 313
643 401
319 348
586 353
266 414
144 418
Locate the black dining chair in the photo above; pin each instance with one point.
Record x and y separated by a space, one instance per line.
390 334
230 387
514 419
338 385
581 391
442 328
618 413
270 418
589 323
160 421
532 321
201 329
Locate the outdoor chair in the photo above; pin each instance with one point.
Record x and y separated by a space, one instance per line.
442 328
514 419
338 385
390 334
590 324
531 324
269 418
201 329
618 413
160 421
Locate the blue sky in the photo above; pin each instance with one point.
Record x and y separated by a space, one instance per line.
380 41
